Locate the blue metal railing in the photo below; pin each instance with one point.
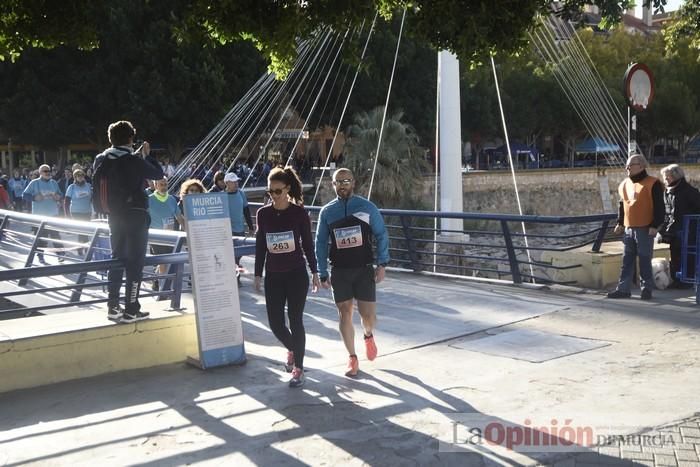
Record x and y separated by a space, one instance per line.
494 240
490 245
24 240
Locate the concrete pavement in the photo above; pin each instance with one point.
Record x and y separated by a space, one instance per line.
453 354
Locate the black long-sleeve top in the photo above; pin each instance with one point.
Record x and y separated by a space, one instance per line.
281 237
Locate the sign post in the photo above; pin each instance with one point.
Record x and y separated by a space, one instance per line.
215 290
638 89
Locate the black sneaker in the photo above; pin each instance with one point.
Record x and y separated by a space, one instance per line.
619 294
133 317
41 259
115 313
646 294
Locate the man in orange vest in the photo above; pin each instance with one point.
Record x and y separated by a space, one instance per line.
640 215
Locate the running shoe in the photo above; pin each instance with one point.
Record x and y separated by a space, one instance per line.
297 378
133 317
115 313
289 366
370 347
353 366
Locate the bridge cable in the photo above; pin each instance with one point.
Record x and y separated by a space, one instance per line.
345 107
512 167
386 105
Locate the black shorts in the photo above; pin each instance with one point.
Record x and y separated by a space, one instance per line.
357 283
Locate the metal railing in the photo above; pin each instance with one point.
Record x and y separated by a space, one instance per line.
489 245
83 254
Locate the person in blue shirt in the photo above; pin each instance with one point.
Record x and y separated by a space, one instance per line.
44 194
78 202
238 209
16 186
349 223
162 206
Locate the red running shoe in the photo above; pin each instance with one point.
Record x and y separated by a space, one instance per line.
353 366
370 347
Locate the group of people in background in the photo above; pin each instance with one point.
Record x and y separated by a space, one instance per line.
285 248
649 208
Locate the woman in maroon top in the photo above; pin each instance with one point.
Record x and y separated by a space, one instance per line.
282 240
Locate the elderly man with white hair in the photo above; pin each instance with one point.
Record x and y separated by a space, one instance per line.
680 199
45 195
640 215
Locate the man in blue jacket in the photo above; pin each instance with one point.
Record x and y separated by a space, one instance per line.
350 222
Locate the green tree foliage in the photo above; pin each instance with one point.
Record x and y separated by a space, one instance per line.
400 160
471 29
673 113
173 90
684 33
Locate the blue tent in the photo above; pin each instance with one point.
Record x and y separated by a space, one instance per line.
596 145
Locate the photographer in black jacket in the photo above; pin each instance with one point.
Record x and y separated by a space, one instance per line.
128 218
680 198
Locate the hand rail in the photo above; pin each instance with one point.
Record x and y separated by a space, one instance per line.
490 245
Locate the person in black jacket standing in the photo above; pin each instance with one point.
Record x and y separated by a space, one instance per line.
128 222
680 199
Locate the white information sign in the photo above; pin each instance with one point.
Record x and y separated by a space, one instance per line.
214 285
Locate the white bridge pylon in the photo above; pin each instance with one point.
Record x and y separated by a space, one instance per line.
450 142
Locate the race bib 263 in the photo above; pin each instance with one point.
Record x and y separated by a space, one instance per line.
280 242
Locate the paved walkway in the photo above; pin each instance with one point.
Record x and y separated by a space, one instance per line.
677 444
454 355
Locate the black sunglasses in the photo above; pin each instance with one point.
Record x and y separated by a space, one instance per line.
278 191
345 181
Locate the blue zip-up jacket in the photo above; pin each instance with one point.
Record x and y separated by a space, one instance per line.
349 225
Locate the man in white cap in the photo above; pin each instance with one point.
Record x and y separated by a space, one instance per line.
238 209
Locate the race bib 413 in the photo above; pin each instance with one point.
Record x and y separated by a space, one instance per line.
348 237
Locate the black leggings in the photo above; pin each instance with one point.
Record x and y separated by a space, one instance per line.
288 288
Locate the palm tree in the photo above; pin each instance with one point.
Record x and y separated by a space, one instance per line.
400 166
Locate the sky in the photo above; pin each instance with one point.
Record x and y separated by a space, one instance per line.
671 5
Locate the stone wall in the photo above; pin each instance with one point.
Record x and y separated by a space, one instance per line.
550 192
547 192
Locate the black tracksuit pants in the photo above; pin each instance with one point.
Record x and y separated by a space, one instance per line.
288 288
129 238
